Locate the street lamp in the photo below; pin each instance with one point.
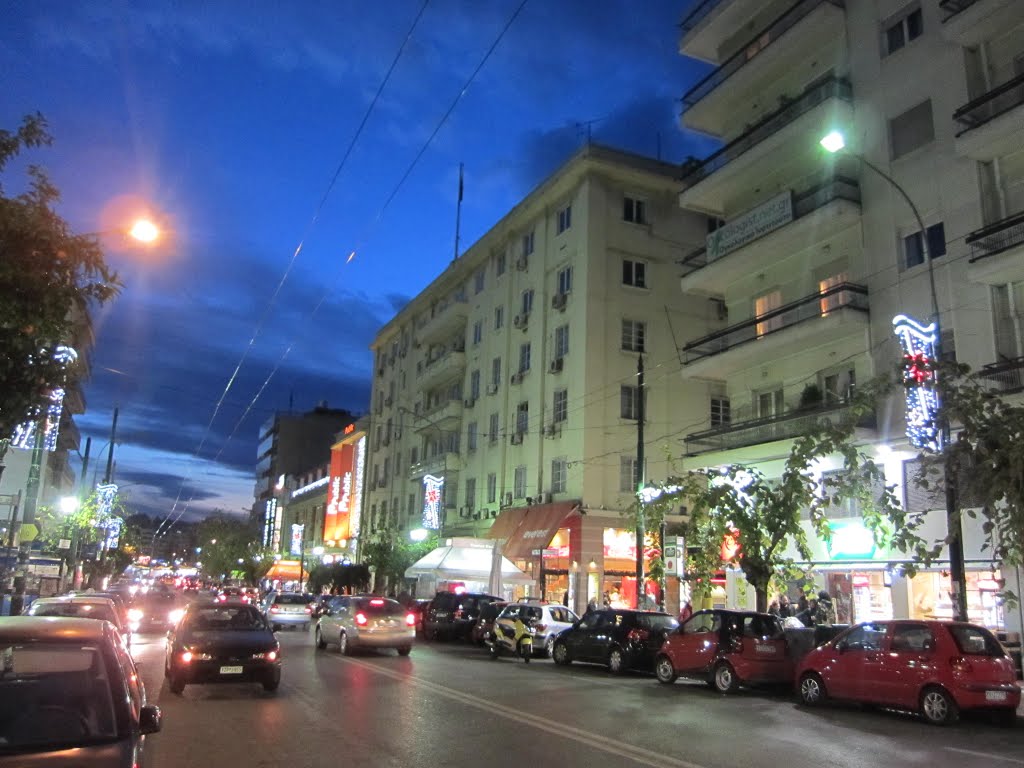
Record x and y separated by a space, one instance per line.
834 142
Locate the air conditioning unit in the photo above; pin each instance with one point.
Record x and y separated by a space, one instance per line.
463 511
416 345
519 321
517 377
551 430
494 513
522 263
470 402
558 301
403 353
386 441
556 365
517 438
547 497
398 434
380 371
492 389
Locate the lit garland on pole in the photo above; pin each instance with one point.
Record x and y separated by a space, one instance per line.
919 381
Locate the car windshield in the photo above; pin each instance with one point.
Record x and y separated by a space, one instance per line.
224 618
293 599
53 695
656 621
975 641
75 610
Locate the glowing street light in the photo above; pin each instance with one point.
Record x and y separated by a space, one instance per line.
145 231
69 504
833 141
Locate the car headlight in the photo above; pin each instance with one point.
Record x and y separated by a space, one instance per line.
134 614
175 616
266 656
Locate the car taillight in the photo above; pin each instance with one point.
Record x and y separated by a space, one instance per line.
361 619
376 602
309 609
410 619
266 656
637 635
457 615
222 598
961 665
186 656
540 627
273 609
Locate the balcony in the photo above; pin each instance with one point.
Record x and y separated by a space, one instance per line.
839 314
809 217
997 252
989 126
1005 377
971 22
448 318
439 466
810 30
710 23
770 429
441 416
787 137
449 366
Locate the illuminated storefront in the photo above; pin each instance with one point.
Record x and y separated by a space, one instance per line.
345 493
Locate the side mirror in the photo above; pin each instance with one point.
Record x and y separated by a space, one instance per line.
150 719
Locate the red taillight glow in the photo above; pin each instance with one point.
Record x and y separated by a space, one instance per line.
271 655
376 602
961 665
273 609
309 609
186 656
410 619
222 598
361 619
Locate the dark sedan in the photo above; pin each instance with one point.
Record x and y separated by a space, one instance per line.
222 643
617 638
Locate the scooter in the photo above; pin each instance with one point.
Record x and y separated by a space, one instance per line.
516 640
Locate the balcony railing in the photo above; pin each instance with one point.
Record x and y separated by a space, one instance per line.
997 237
991 105
694 17
1006 376
749 52
771 428
832 87
953 7
841 296
836 188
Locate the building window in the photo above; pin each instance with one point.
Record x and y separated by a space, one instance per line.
527 304
499 264
414 455
629 402
913 251
527 244
721 415
559 473
565 280
474 385
478 280
492 433
522 417
499 318
495 374
913 129
478 331
524 357
519 483
838 387
770 404
634 335
471 435
634 273
560 406
629 475
492 488
832 299
634 210
471 493
764 305
901 29
947 345
410 508
561 341
564 219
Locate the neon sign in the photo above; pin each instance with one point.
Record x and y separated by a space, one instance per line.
919 379
357 494
433 492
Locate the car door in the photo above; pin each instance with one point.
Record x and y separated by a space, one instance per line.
844 678
694 646
762 654
329 619
904 664
580 640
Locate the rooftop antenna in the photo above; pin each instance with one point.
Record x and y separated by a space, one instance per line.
585 125
458 215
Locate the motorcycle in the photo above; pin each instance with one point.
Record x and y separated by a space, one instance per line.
516 640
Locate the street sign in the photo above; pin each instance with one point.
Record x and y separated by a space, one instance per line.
64 544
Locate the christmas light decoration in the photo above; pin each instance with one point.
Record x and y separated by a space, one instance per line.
919 381
433 492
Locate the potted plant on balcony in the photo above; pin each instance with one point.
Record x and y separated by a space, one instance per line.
811 398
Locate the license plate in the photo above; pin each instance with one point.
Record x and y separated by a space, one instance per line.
231 670
995 695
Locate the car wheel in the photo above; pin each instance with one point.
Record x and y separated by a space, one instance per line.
726 680
405 650
549 645
560 653
177 684
320 639
811 690
938 707
343 646
275 627
526 651
616 661
494 651
665 670
272 683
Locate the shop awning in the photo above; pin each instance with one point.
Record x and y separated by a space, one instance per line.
284 570
455 562
507 522
538 527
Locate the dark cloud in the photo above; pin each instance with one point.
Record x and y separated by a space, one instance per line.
162 482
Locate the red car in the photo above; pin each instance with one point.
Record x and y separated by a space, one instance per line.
728 649
937 668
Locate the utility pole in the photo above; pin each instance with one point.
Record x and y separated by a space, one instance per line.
640 480
76 534
109 475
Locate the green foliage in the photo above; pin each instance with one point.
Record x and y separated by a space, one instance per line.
392 557
226 540
46 274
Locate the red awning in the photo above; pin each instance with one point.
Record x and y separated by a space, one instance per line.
538 527
284 570
507 522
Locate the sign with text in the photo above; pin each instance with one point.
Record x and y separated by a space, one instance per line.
751 225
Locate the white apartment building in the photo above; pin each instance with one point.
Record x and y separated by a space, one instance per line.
506 393
814 254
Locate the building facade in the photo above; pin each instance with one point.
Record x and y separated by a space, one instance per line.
506 394
813 254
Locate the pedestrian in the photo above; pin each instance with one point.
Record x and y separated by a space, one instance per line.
565 599
592 605
809 614
773 607
824 611
686 611
785 607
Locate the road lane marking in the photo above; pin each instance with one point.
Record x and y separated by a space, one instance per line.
563 730
987 755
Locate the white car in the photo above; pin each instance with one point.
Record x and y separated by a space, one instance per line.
81 607
549 620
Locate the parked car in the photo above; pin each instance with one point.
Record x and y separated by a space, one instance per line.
485 621
219 642
619 638
452 615
366 621
727 649
70 695
284 609
549 621
936 668
81 607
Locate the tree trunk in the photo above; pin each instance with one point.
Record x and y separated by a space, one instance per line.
762 598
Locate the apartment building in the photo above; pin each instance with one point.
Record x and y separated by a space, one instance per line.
813 254
505 395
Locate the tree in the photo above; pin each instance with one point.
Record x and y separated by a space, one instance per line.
391 558
736 510
338 577
256 563
46 273
227 546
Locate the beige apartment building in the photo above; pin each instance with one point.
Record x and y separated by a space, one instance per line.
814 254
505 394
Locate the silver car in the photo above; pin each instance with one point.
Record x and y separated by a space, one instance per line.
366 621
284 609
549 620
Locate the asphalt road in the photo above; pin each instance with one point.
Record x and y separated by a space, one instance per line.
448 704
